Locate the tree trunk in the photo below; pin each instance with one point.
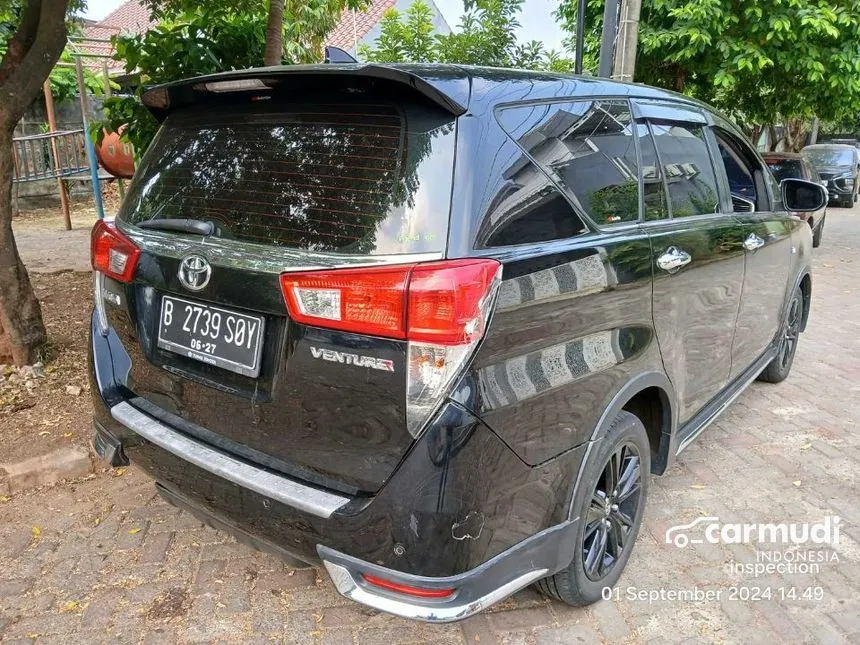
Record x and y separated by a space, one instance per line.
813 135
32 52
22 331
772 142
274 33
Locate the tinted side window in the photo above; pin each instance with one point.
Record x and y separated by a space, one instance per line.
588 148
787 168
688 169
541 219
738 172
526 207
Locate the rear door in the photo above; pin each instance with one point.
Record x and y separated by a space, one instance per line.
767 245
697 251
356 175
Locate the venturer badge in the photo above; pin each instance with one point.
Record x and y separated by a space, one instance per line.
352 359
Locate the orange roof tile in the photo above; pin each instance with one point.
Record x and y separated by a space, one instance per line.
345 37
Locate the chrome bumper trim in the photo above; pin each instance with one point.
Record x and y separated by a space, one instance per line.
281 489
439 611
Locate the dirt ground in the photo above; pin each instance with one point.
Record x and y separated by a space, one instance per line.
48 407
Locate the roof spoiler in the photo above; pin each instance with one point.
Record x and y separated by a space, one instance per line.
163 99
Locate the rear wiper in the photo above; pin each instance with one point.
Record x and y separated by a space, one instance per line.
180 225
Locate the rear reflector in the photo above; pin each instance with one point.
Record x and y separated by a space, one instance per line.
112 253
418 592
436 302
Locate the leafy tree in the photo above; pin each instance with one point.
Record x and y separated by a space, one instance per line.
32 37
485 36
207 36
764 62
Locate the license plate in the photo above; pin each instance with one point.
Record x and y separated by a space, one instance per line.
211 335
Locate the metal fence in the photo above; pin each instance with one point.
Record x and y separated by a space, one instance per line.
55 155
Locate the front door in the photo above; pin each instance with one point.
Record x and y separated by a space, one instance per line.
767 247
698 257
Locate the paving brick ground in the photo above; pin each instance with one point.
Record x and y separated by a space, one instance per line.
105 560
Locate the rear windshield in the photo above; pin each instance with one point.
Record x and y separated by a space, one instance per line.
786 168
829 156
363 178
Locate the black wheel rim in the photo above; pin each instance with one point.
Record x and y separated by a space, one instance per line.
612 512
792 330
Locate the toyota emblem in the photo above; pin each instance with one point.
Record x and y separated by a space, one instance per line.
194 272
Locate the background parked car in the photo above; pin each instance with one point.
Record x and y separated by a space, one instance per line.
790 165
839 165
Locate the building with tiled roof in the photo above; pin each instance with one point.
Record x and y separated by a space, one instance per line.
354 27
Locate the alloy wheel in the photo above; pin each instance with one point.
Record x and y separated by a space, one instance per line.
612 511
792 330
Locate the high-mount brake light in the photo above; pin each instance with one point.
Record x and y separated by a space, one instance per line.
112 253
441 308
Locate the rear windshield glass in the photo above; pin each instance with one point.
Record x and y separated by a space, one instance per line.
829 156
363 178
786 168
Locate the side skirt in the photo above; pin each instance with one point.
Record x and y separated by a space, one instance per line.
694 427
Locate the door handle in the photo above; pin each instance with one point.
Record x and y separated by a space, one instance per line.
753 242
673 259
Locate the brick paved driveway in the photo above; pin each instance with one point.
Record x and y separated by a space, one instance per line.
105 560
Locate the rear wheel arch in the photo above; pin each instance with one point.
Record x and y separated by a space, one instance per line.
651 397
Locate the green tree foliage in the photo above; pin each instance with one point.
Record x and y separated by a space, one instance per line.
763 62
485 36
207 36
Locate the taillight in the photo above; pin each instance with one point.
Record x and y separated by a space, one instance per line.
112 253
441 308
365 301
409 590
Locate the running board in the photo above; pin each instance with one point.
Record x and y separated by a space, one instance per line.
718 405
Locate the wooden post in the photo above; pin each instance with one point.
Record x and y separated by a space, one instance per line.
52 126
120 184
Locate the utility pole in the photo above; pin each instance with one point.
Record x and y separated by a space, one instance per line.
628 37
580 37
607 39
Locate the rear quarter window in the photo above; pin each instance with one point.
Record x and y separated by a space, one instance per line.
360 178
588 148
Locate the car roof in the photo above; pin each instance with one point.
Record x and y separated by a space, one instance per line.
781 155
842 146
457 88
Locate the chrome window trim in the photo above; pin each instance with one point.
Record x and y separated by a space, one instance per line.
260 258
277 487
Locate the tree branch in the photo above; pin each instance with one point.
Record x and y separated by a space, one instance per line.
22 82
21 42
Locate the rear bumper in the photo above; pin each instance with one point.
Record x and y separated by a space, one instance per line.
475 590
461 510
527 562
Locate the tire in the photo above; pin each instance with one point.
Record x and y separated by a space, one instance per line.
779 368
847 202
818 233
625 449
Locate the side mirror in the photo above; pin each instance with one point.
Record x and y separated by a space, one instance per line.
801 196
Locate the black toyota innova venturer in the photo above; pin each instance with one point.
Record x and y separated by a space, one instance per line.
434 326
